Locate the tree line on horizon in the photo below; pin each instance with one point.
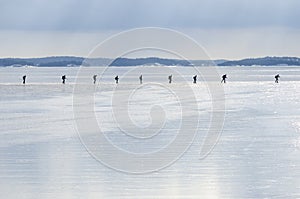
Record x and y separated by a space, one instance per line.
64 61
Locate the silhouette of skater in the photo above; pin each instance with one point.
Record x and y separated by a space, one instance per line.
195 79
63 79
24 79
170 79
95 78
117 79
224 78
141 79
277 78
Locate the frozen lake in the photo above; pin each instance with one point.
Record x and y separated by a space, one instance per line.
256 156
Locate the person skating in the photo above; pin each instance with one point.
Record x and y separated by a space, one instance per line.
63 79
277 78
195 79
24 79
95 78
117 79
170 79
224 78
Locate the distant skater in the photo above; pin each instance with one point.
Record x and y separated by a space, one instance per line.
170 79
24 79
141 79
117 79
195 79
95 78
224 78
63 79
277 78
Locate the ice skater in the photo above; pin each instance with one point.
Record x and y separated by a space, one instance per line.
95 78
170 79
195 79
224 78
277 78
63 79
24 79
141 79
117 79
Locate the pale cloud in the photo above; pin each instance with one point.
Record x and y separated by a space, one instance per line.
227 29
88 15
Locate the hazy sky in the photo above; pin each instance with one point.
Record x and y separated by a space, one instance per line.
225 28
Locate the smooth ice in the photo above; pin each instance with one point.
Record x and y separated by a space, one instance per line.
256 156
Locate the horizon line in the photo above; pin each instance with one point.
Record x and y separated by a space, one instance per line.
75 56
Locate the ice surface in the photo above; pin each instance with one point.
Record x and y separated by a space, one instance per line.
257 156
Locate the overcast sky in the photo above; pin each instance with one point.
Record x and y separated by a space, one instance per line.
230 29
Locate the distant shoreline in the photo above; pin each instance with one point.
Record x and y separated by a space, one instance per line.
72 61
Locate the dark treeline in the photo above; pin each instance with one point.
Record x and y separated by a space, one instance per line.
45 61
266 61
78 61
149 61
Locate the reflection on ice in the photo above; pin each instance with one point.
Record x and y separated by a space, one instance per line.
257 156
